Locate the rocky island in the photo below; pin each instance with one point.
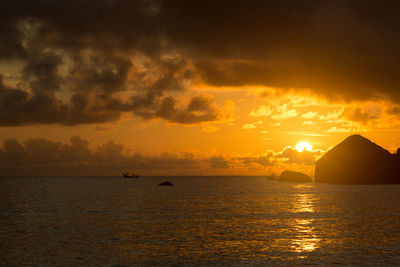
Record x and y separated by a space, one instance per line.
293 176
357 160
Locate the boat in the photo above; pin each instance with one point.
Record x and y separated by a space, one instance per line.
273 176
127 175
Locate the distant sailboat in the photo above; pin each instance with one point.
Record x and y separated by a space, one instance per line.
273 176
126 175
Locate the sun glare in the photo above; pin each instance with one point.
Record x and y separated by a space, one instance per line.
303 145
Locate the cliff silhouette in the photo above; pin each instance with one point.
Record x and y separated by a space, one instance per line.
357 160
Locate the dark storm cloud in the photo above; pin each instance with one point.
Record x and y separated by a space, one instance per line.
200 108
86 49
394 111
360 115
131 56
19 107
216 162
40 156
342 49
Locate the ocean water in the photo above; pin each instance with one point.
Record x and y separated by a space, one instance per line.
201 221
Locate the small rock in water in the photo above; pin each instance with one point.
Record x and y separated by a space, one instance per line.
166 183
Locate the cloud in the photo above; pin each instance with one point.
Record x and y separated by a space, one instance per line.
283 112
291 155
394 110
85 70
249 126
261 111
279 112
252 125
42 151
102 64
18 107
288 158
218 162
275 124
265 159
362 116
13 152
335 129
309 115
331 116
328 47
133 56
40 156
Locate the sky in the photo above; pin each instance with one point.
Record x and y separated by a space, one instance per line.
193 87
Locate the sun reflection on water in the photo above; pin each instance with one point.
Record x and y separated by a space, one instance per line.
305 238
303 203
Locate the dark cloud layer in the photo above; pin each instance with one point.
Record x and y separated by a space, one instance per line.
40 156
360 115
90 61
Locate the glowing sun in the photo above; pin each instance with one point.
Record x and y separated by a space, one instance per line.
303 145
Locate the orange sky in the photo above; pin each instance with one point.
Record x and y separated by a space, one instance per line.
153 88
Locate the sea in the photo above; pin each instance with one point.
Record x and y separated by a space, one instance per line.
200 221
